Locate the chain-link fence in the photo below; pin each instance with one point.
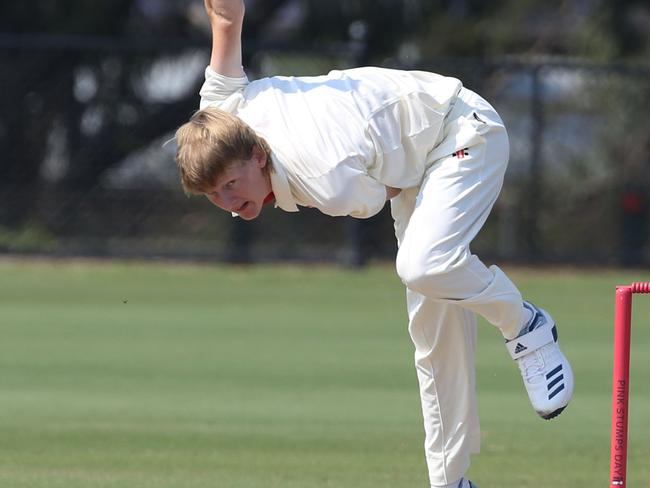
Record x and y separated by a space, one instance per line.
87 169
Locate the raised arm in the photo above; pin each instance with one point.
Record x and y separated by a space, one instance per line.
226 18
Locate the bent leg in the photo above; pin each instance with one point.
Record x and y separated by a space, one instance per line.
454 201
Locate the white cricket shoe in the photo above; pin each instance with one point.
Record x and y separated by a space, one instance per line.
465 483
545 370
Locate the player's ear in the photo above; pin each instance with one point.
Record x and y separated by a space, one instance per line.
259 156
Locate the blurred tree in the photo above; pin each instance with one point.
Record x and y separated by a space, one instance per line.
614 31
620 31
92 92
41 93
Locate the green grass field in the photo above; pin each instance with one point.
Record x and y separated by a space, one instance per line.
160 375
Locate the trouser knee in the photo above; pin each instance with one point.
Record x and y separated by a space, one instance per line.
435 275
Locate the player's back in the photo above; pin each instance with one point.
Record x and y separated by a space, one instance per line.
390 119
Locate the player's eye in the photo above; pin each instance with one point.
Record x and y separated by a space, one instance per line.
230 184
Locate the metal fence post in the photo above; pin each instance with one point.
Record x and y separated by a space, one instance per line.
535 184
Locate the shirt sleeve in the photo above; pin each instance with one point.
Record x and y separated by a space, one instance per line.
218 90
348 190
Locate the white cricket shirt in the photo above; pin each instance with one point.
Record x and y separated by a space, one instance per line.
339 139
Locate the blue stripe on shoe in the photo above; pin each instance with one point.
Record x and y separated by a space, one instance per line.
555 381
556 391
552 373
536 320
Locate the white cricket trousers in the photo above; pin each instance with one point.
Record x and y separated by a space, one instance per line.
447 285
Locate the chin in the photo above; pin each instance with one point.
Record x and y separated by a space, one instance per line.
250 215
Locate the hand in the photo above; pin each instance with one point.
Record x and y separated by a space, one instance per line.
229 10
209 8
226 19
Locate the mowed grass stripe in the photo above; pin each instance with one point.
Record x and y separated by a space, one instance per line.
137 375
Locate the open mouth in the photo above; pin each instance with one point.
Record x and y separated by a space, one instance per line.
243 207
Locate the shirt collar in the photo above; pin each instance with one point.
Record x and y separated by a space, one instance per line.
281 189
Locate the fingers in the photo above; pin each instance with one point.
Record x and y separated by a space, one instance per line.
227 9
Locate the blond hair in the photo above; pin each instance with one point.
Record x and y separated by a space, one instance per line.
210 143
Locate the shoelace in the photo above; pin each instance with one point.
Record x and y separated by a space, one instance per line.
532 367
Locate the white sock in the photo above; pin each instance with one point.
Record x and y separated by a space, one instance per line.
528 316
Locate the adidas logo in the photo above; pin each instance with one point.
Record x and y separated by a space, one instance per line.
557 373
520 348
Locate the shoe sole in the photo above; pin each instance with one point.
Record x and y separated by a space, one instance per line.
552 415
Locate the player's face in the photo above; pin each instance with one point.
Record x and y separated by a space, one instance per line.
242 188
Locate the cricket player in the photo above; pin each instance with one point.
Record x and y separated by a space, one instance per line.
347 142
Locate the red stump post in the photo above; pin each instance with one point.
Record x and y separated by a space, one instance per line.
621 380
